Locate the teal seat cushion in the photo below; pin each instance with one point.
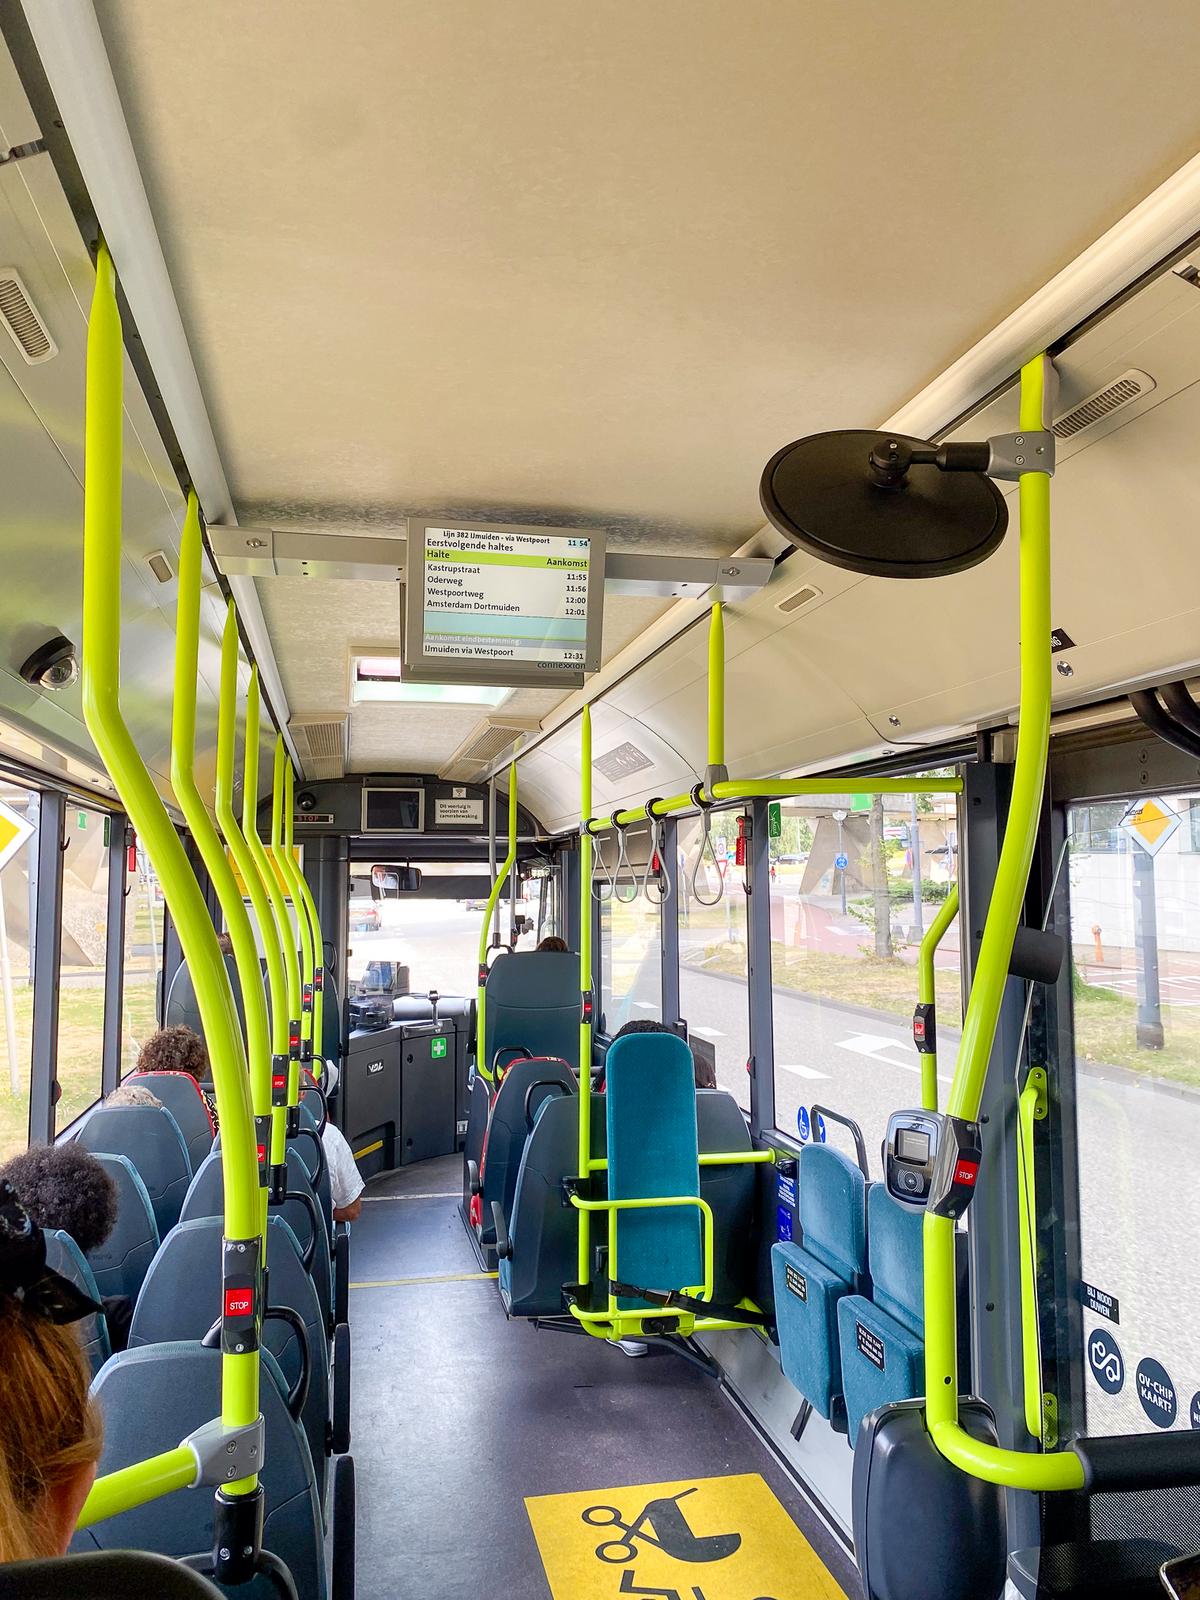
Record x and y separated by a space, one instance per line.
807 1295
882 1360
650 1110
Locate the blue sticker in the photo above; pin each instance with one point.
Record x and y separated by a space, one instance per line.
1106 1361
820 1128
802 1124
841 861
1156 1392
1195 1411
783 1223
785 1189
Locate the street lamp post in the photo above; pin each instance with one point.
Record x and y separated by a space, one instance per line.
839 817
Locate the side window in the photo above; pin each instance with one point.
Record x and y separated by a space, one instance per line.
18 916
144 913
714 993
82 962
630 946
855 882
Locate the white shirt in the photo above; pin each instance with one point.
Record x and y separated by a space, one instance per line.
345 1181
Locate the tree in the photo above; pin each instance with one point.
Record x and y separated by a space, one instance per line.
879 882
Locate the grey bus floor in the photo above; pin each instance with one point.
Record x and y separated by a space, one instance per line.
459 1414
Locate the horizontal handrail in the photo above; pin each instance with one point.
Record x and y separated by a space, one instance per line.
732 790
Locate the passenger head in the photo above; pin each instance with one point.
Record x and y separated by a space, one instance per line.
132 1094
64 1186
49 1432
553 942
225 944
641 1025
174 1049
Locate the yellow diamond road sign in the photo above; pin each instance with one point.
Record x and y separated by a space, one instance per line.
1150 823
14 830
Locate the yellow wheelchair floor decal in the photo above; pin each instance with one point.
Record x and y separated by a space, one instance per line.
698 1539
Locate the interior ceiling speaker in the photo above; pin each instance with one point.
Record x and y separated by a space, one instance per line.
836 497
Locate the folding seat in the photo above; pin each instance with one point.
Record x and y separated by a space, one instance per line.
812 1277
883 1339
65 1257
525 1085
181 1095
150 1137
119 1265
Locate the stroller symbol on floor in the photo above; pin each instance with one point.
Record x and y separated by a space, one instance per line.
660 1523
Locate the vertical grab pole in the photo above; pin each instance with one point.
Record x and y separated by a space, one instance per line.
291 877
101 650
268 1033
585 987
481 1063
318 942
274 942
291 958
927 995
717 771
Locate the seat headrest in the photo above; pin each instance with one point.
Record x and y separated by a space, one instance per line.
833 1209
535 978
646 1053
897 1257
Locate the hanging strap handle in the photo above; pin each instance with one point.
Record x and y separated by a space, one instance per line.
656 886
704 807
621 830
602 890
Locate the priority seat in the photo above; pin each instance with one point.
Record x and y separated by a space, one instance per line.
119 1265
182 1096
532 1007
812 1278
526 1083
184 1284
150 1137
65 1257
883 1338
653 1152
206 1198
153 1397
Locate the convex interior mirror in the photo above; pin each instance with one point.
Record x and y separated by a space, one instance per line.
389 883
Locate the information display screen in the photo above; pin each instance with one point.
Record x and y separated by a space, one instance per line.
496 604
911 1146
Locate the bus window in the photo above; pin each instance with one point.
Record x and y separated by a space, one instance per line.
1135 946
144 911
848 912
713 987
82 962
17 919
630 949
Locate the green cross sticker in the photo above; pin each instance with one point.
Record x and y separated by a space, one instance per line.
438 1048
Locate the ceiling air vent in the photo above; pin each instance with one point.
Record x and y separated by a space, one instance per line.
489 740
798 598
1130 386
29 332
321 743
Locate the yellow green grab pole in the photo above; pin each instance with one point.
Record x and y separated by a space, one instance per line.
292 878
1013 1469
318 981
1032 1107
927 996
586 847
274 938
266 1029
481 1063
101 657
287 930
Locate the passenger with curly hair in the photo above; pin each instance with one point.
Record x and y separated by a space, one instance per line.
64 1186
178 1049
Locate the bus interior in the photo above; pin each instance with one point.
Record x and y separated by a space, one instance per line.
601 601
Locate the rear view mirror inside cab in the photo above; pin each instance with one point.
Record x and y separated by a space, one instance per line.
389 883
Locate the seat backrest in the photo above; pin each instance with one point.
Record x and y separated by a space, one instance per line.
833 1210
182 1006
331 1019
508 1127
153 1397
65 1257
181 1095
532 1001
206 1198
150 1137
897 1259
653 1150
181 1298
105 1575
120 1264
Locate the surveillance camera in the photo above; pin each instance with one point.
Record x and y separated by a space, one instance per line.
306 800
52 665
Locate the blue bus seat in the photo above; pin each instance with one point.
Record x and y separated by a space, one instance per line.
508 1128
181 1095
154 1396
653 1150
206 1198
184 1284
65 1257
883 1338
810 1278
532 1003
120 1264
150 1137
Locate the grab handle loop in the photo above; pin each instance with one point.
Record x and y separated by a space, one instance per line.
602 889
623 861
704 807
656 883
